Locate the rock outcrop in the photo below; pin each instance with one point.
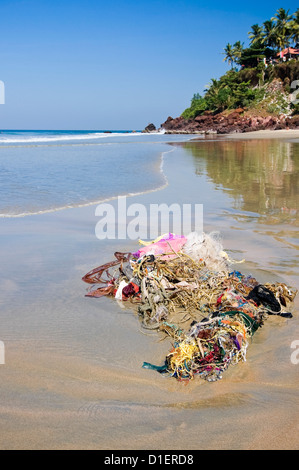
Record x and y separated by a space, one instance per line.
150 128
237 120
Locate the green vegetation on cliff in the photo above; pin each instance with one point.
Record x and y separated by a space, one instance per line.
260 75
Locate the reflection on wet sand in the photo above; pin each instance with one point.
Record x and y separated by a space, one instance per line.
261 179
260 175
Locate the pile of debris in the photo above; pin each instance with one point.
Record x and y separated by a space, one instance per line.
185 288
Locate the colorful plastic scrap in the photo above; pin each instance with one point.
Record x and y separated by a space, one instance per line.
184 287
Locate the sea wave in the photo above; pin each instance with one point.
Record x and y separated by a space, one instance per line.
17 139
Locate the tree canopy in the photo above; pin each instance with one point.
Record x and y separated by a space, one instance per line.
241 87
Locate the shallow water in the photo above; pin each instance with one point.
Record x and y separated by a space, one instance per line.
45 171
73 377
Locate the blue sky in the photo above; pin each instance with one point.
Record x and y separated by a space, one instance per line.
114 64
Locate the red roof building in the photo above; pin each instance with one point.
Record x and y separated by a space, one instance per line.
289 53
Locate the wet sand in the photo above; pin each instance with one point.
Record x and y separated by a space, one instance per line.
73 377
278 134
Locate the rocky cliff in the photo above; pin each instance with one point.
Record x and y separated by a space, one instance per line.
234 121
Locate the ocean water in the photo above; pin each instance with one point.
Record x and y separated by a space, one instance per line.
45 171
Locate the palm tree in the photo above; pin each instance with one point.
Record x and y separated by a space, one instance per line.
256 34
237 51
283 27
270 34
294 26
213 89
218 95
229 54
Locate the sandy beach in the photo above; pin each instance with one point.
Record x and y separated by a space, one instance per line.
73 377
124 124
278 134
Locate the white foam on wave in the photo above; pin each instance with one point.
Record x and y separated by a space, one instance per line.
58 138
71 137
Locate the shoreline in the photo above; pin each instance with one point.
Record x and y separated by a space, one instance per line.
260 134
283 134
263 134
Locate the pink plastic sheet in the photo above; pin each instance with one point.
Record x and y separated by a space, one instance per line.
170 246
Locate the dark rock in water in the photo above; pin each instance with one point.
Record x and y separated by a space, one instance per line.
150 128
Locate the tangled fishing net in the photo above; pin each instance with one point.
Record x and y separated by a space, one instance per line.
185 288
